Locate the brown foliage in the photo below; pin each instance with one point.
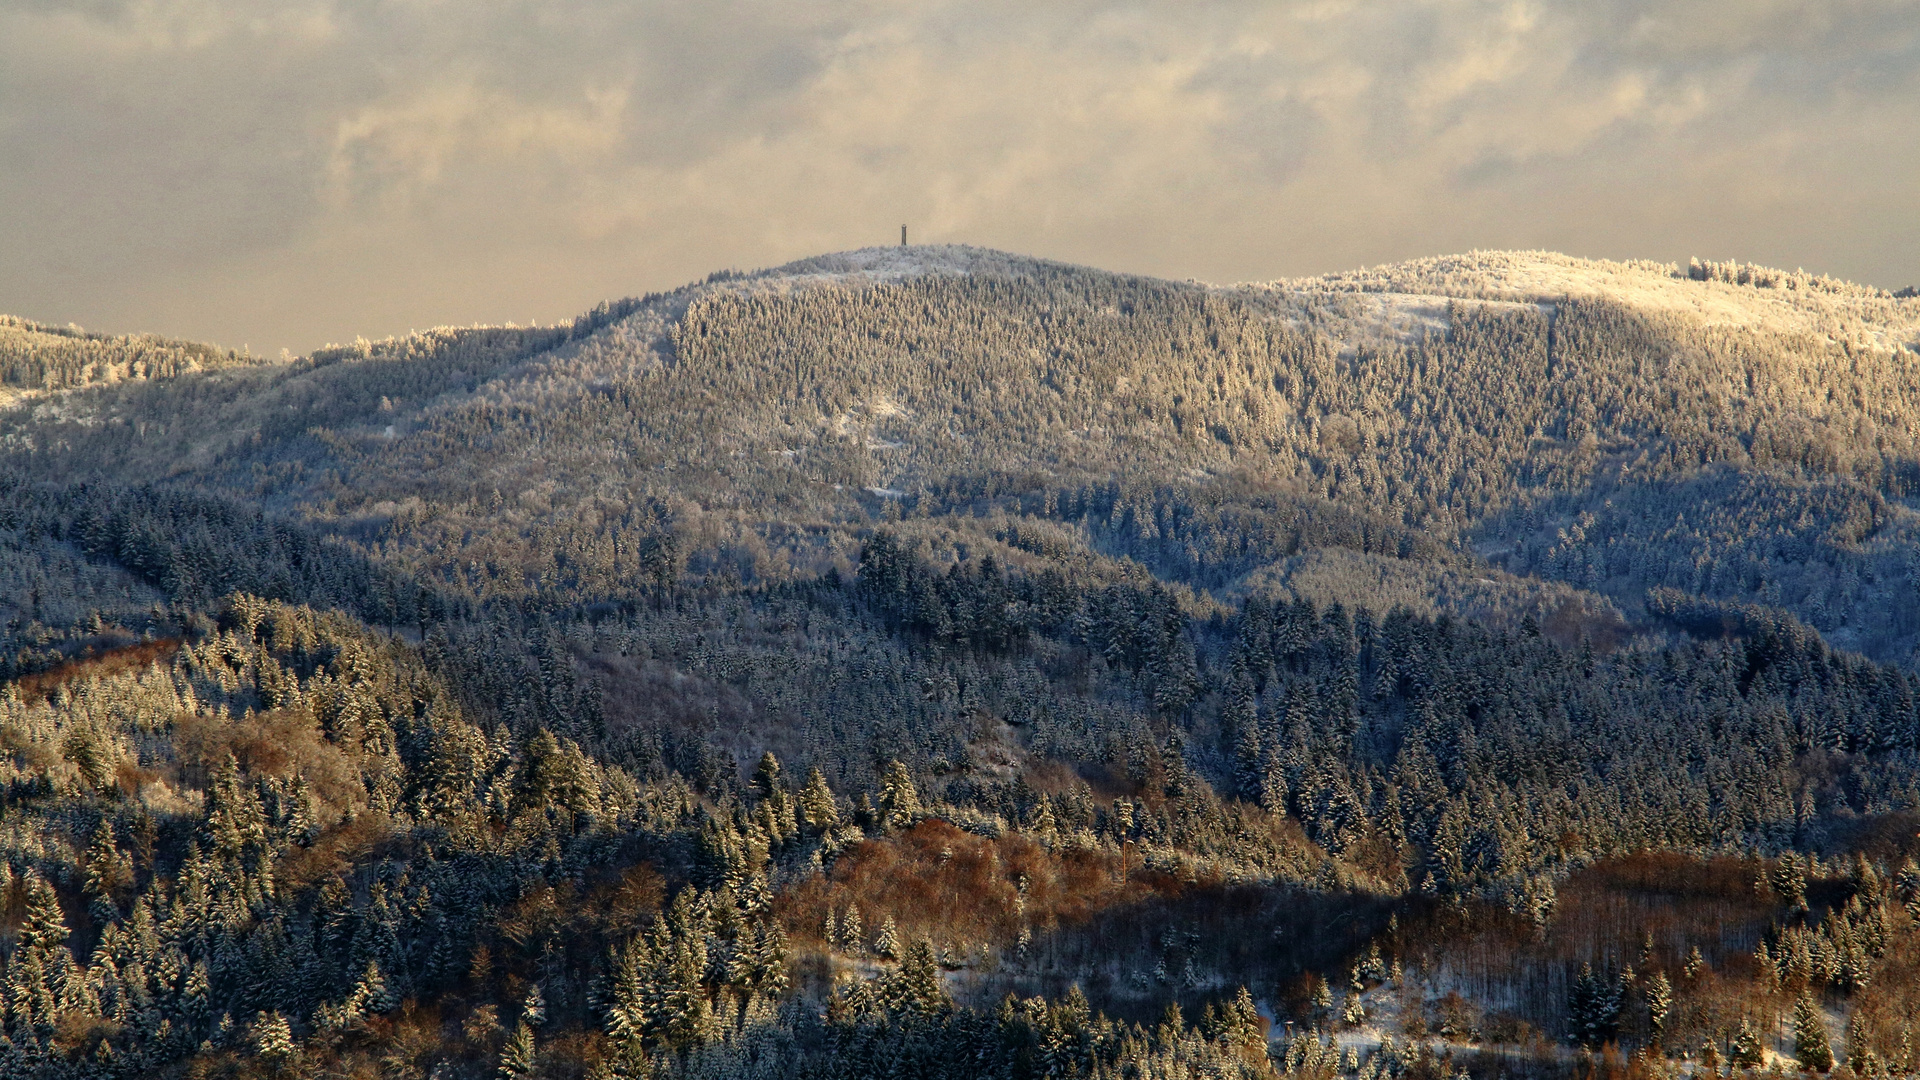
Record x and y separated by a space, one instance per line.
939 882
111 662
284 743
1603 916
628 903
1091 927
337 850
1681 900
1889 1005
617 908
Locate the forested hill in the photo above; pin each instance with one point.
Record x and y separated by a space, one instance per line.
34 357
1732 432
772 676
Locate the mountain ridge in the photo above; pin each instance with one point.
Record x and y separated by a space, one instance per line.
1515 275
1327 388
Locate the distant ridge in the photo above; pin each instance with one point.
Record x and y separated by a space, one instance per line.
1735 293
39 357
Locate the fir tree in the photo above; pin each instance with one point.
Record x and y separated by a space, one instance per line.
273 1037
517 1057
819 811
899 802
1593 1008
1659 995
1747 1050
853 940
1810 1043
1694 965
1861 1057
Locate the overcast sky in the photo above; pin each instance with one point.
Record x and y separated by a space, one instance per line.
282 173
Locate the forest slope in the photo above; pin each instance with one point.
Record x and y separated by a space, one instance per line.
937 661
1615 427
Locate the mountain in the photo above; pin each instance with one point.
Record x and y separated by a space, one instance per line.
397 706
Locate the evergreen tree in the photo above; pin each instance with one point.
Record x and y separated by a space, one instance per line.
1593 1008
1747 1051
273 1038
1789 880
517 1057
1810 1043
1322 998
1659 994
853 937
899 801
819 811
43 926
1861 1057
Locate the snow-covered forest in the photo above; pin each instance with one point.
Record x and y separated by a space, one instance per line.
937 662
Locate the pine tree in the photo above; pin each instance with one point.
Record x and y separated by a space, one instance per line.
1810 1042
106 872
1906 886
1659 996
1747 1051
899 798
819 811
1860 1054
1238 720
371 993
766 776
1593 1008
1789 880
887 943
272 1037
853 939
43 927
517 1057
920 988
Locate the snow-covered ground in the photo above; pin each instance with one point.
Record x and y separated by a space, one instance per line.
1409 298
1811 305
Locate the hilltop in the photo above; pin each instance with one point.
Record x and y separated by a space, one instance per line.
1613 427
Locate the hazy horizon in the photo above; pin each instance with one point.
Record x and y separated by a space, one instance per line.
280 175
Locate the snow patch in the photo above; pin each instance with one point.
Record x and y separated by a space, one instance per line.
1855 315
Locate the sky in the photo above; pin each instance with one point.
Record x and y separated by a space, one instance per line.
286 173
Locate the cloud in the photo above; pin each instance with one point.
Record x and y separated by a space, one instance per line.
289 172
